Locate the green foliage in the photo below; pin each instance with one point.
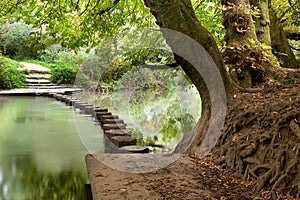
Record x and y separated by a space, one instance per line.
59 55
50 54
131 60
83 81
63 74
209 14
72 58
78 24
13 37
10 76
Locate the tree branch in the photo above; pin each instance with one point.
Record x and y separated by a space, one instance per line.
157 67
85 9
293 6
109 8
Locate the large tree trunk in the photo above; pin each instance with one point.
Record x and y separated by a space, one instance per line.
280 44
262 22
178 15
242 55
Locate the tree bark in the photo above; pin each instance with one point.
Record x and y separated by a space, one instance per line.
178 15
280 45
242 55
262 22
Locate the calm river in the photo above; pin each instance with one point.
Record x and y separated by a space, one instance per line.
41 149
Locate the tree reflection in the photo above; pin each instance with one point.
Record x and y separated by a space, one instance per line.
20 179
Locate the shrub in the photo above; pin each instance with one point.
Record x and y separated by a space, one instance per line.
63 74
10 76
49 55
74 59
13 37
83 81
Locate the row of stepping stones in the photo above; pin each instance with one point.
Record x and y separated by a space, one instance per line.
120 140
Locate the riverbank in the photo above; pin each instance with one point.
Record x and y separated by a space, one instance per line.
210 177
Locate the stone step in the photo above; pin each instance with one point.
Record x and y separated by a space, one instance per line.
112 121
34 71
44 85
98 109
106 127
98 115
83 106
38 81
38 76
72 102
103 117
121 141
117 132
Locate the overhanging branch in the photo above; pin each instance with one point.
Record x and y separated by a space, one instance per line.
160 67
109 8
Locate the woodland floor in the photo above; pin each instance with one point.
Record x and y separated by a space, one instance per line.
233 170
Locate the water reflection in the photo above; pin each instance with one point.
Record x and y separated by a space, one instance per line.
41 155
158 106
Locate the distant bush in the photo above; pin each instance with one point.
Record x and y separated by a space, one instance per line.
10 77
59 55
63 74
50 53
72 58
13 37
83 81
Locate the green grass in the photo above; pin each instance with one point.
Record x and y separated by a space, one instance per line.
10 76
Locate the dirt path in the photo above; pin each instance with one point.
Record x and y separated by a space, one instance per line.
35 67
187 178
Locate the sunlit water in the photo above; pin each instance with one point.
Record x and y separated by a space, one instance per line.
41 149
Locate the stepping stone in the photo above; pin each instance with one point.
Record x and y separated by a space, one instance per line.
69 99
88 109
103 117
112 121
136 149
97 109
82 106
72 102
77 103
116 132
62 98
121 141
58 96
99 114
113 126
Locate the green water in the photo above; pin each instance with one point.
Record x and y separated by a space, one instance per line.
42 151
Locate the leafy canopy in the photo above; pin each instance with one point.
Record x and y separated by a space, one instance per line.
76 23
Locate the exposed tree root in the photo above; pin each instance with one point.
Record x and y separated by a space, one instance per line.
261 138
